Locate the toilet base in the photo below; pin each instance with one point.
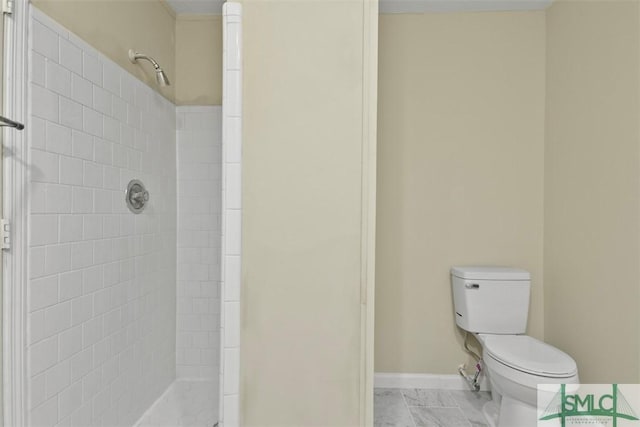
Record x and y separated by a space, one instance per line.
514 413
490 411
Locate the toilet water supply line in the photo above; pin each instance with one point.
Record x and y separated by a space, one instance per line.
473 381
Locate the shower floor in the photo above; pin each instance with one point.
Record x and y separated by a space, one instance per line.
186 403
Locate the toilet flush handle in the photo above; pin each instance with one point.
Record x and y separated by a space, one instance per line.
472 286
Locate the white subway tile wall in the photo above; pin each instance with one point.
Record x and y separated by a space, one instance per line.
102 287
199 141
231 215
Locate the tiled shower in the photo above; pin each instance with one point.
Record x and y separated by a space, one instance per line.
122 305
199 141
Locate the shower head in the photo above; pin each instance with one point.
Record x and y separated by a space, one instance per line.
161 77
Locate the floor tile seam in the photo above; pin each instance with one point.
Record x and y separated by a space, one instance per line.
444 393
434 407
406 405
464 416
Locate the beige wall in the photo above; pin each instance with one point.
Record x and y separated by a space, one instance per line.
188 48
302 212
115 26
199 60
592 192
460 172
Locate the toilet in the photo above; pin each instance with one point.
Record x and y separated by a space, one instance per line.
493 304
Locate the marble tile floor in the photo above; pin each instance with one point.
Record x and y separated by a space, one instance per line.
395 407
185 404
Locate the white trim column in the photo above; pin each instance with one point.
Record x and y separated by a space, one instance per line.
15 199
229 411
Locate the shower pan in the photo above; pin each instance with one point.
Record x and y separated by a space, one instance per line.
124 293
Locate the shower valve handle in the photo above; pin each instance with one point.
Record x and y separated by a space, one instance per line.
136 196
140 196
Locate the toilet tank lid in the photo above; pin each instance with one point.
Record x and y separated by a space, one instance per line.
490 273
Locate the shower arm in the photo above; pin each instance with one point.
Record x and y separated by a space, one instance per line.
134 56
161 77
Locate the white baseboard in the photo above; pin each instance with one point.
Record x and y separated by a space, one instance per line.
426 381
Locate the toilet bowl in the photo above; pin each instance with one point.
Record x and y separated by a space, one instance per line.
492 303
516 365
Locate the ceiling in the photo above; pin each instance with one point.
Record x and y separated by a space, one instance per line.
214 7
421 6
196 7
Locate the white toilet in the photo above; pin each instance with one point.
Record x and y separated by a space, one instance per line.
493 304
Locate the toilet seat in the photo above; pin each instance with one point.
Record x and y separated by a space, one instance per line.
529 355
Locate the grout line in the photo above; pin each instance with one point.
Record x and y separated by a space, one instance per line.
446 392
430 407
465 417
408 410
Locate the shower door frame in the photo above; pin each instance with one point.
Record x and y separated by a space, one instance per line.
14 209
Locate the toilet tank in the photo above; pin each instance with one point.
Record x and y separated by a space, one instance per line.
491 300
